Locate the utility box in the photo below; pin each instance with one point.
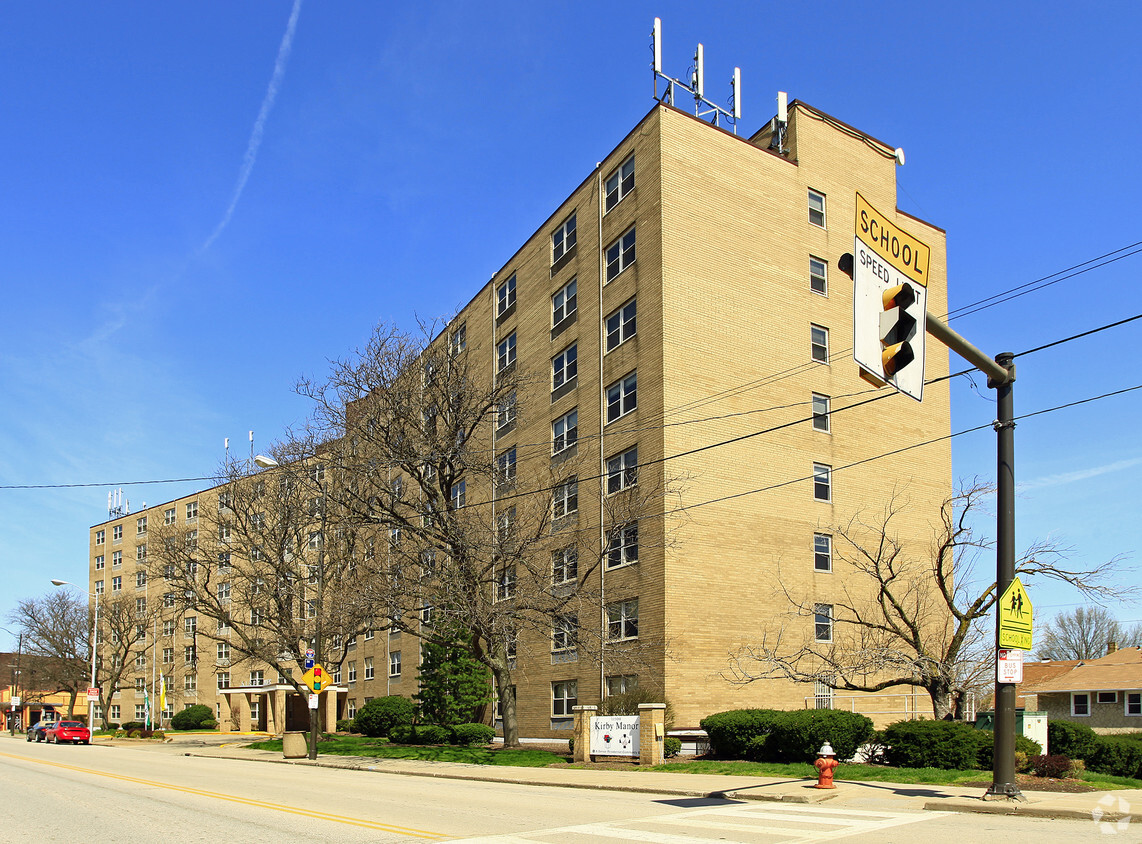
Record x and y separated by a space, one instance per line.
1032 725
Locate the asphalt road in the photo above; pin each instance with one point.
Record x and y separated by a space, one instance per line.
115 794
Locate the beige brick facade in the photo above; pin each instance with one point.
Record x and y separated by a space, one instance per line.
720 278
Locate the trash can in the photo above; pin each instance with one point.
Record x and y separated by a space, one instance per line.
294 746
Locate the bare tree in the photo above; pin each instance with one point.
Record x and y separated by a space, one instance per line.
1084 633
56 631
125 644
471 543
906 616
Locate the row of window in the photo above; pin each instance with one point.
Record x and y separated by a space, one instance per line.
141 523
1081 702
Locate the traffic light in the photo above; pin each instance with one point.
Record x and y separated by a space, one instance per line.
318 678
897 328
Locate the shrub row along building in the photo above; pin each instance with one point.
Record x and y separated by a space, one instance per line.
624 459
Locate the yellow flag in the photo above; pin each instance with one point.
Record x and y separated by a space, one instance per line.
162 693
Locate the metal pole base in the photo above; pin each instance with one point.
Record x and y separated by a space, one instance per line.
1004 791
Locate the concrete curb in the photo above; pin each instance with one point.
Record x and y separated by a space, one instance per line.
1023 809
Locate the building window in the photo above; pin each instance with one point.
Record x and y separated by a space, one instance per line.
505 353
623 547
565 633
351 710
816 208
369 668
351 673
168 656
622 620
505 296
505 583
506 412
100 563
140 711
223 501
116 559
821 412
620 684
459 494
505 467
566 498
562 239
224 680
192 538
141 553
823 622
565 431
620 255
1134 703
620 183
189 627
622 397
1080 703
563 303
564 367
257 678
100 536
223 650
822 695
140 579
192 510
189 683
168 627
822 482
458 342
168 516
819 343
621 325
117 533
818 276
622 470
116 584
1107 697
394 664
140 525
565 565
224 591
822 552
113 712
564 698
99 587
168 599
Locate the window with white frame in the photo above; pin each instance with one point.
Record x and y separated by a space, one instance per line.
113 712
140 711
351 671
816 208
369 668
565 633
140 525
621 325
189 627
141 553
563 303
622 397
1106 697
565 431
821 412
622 470
620 684
562 239
191 539
100 537
140 579
351 709
140 606
224 591
168 516
823 622
458 341
619 184
623 546
168 656
189 683
394 664
819 343
622 620
141 660
223 501
505 467
100 563
620 254
459 494
1133 703
99 587
818 276
116 559
223 651
822 552
822 482
191 510
116 584
505 296
506 412
257 678
1080 703
565 565
822 695
223 679
168 627
506 583
564 698
505 352
117 533
566 498
564 366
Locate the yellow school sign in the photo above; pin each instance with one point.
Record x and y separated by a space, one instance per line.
1015 617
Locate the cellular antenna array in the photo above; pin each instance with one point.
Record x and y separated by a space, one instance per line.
696 86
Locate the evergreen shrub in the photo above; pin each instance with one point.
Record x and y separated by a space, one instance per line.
797 735
378 717
730 732
192 717
671 747
1067 738
951 745
986 756
1118 756
468 734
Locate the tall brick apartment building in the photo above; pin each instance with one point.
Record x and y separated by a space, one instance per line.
685 295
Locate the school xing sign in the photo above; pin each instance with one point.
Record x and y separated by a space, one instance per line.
1015 617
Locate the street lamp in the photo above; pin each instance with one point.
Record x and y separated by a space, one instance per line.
94 638
265 462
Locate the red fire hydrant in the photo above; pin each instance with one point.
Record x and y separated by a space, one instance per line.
826 763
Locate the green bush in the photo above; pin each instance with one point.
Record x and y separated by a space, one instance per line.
381 714
468 734
159 734
403 734
133 725
730 732
343 724
986 755
951 745
797 736
671 746
571 745
208 724
192 717
432 734
1117 756
1056 766
1066 738
626 703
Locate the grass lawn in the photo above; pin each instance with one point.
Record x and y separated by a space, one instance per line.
381 748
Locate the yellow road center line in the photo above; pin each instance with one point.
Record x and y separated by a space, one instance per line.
245 801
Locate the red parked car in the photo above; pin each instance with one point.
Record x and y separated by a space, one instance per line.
74 731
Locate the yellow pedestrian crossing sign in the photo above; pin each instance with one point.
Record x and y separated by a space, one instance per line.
1015 617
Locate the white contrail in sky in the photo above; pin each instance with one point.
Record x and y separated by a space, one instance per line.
259 126
1080 475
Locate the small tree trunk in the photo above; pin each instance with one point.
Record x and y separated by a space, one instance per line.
507 703
941 694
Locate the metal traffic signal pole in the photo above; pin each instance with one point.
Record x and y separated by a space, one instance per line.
1000 377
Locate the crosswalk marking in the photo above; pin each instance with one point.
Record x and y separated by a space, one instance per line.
785 822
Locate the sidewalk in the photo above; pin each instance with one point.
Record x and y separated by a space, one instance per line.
1108 806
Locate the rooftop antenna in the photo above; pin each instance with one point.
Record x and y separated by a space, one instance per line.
780 124
117 504
696 86
251 464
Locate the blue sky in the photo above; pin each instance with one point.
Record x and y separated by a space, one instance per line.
201 203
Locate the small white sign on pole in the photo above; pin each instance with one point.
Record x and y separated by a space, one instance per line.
313 701
614 735
1009 666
